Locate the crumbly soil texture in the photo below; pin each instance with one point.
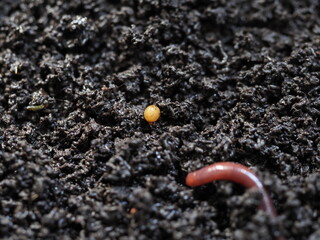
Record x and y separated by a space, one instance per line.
235 81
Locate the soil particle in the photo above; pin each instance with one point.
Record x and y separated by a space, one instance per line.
235 81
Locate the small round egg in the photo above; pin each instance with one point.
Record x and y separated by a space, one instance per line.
151 113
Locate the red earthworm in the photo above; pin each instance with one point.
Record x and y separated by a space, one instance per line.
233 172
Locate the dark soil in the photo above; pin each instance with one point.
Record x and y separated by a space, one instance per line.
235 81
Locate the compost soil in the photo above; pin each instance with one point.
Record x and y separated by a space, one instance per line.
235 81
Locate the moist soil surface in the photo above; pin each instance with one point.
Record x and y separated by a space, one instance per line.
235 81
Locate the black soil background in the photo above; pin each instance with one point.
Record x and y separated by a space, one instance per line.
235 81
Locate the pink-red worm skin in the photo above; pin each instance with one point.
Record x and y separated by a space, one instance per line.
233 172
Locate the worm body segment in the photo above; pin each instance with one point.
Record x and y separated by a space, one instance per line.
233 172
